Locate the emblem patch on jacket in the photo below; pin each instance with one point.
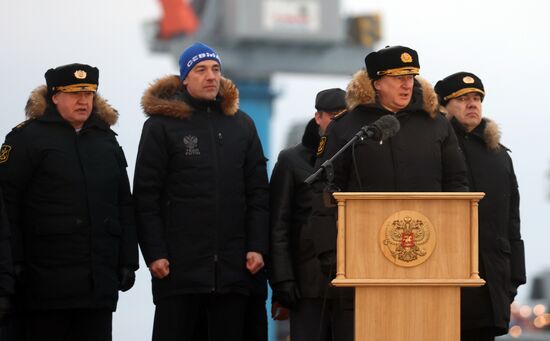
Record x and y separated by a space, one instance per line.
191 145
4 153
321 147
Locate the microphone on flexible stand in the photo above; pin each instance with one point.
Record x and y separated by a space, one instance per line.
380 130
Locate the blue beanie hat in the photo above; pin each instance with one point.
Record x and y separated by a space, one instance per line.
195 54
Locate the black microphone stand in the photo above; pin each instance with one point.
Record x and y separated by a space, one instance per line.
327 167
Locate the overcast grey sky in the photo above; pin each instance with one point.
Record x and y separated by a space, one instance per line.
506 43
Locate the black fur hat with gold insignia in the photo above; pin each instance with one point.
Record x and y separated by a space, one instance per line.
392 61
456 85
72 78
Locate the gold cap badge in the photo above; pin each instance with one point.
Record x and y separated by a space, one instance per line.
406 58
80 74
468 80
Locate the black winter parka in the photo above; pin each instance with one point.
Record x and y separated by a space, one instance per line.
501 250
201 190
293 256
70 208
422 157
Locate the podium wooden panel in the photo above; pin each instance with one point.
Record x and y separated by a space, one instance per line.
400 300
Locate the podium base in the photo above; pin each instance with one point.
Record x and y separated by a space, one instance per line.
407 313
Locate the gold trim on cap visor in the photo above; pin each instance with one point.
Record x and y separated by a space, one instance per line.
77 87
463 92
400 71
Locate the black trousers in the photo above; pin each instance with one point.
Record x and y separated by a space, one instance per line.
69 325
479 334
316 319
255 325
177 318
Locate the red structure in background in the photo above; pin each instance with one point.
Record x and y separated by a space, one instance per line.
178 18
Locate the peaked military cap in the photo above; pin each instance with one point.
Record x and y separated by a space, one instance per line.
72 78
392 61
330 100
458 84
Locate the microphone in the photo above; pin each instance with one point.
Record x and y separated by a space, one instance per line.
381 129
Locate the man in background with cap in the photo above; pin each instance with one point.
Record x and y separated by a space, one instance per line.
485 310
202 200
296 277
423 156
69 205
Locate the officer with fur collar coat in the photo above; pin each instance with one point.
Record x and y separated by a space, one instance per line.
485 311
202 200
423 156
69 206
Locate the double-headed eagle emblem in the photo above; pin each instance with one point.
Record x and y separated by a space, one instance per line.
407 236
406 239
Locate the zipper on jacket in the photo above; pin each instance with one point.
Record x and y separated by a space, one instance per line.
213 137
77 139
215 269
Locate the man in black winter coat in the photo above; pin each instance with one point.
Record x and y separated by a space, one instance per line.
70 209
296 277
423 156
202 200
485 311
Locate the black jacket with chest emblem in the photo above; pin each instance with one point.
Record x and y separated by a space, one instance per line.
201 190
501 251
70 208
423 156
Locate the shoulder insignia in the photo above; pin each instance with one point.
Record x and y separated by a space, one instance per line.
4 153
339 115
20 125
321 147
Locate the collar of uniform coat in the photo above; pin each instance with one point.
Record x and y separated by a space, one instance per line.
487 131
360 91
162 98
38 103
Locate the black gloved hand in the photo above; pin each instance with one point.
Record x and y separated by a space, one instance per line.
287 294
328 263
5 308
126 278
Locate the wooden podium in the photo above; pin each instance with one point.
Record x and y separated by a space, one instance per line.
407 255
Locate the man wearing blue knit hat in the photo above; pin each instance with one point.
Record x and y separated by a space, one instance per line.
201 195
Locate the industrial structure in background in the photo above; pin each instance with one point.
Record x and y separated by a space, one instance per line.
256 38
260 37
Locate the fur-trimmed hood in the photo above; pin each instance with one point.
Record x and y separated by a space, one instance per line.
38 103
163 97
360 91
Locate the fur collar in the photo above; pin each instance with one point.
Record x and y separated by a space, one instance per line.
491 131
38 103
491 134
360 91
160 98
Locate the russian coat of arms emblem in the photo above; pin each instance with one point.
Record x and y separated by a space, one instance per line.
407 238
